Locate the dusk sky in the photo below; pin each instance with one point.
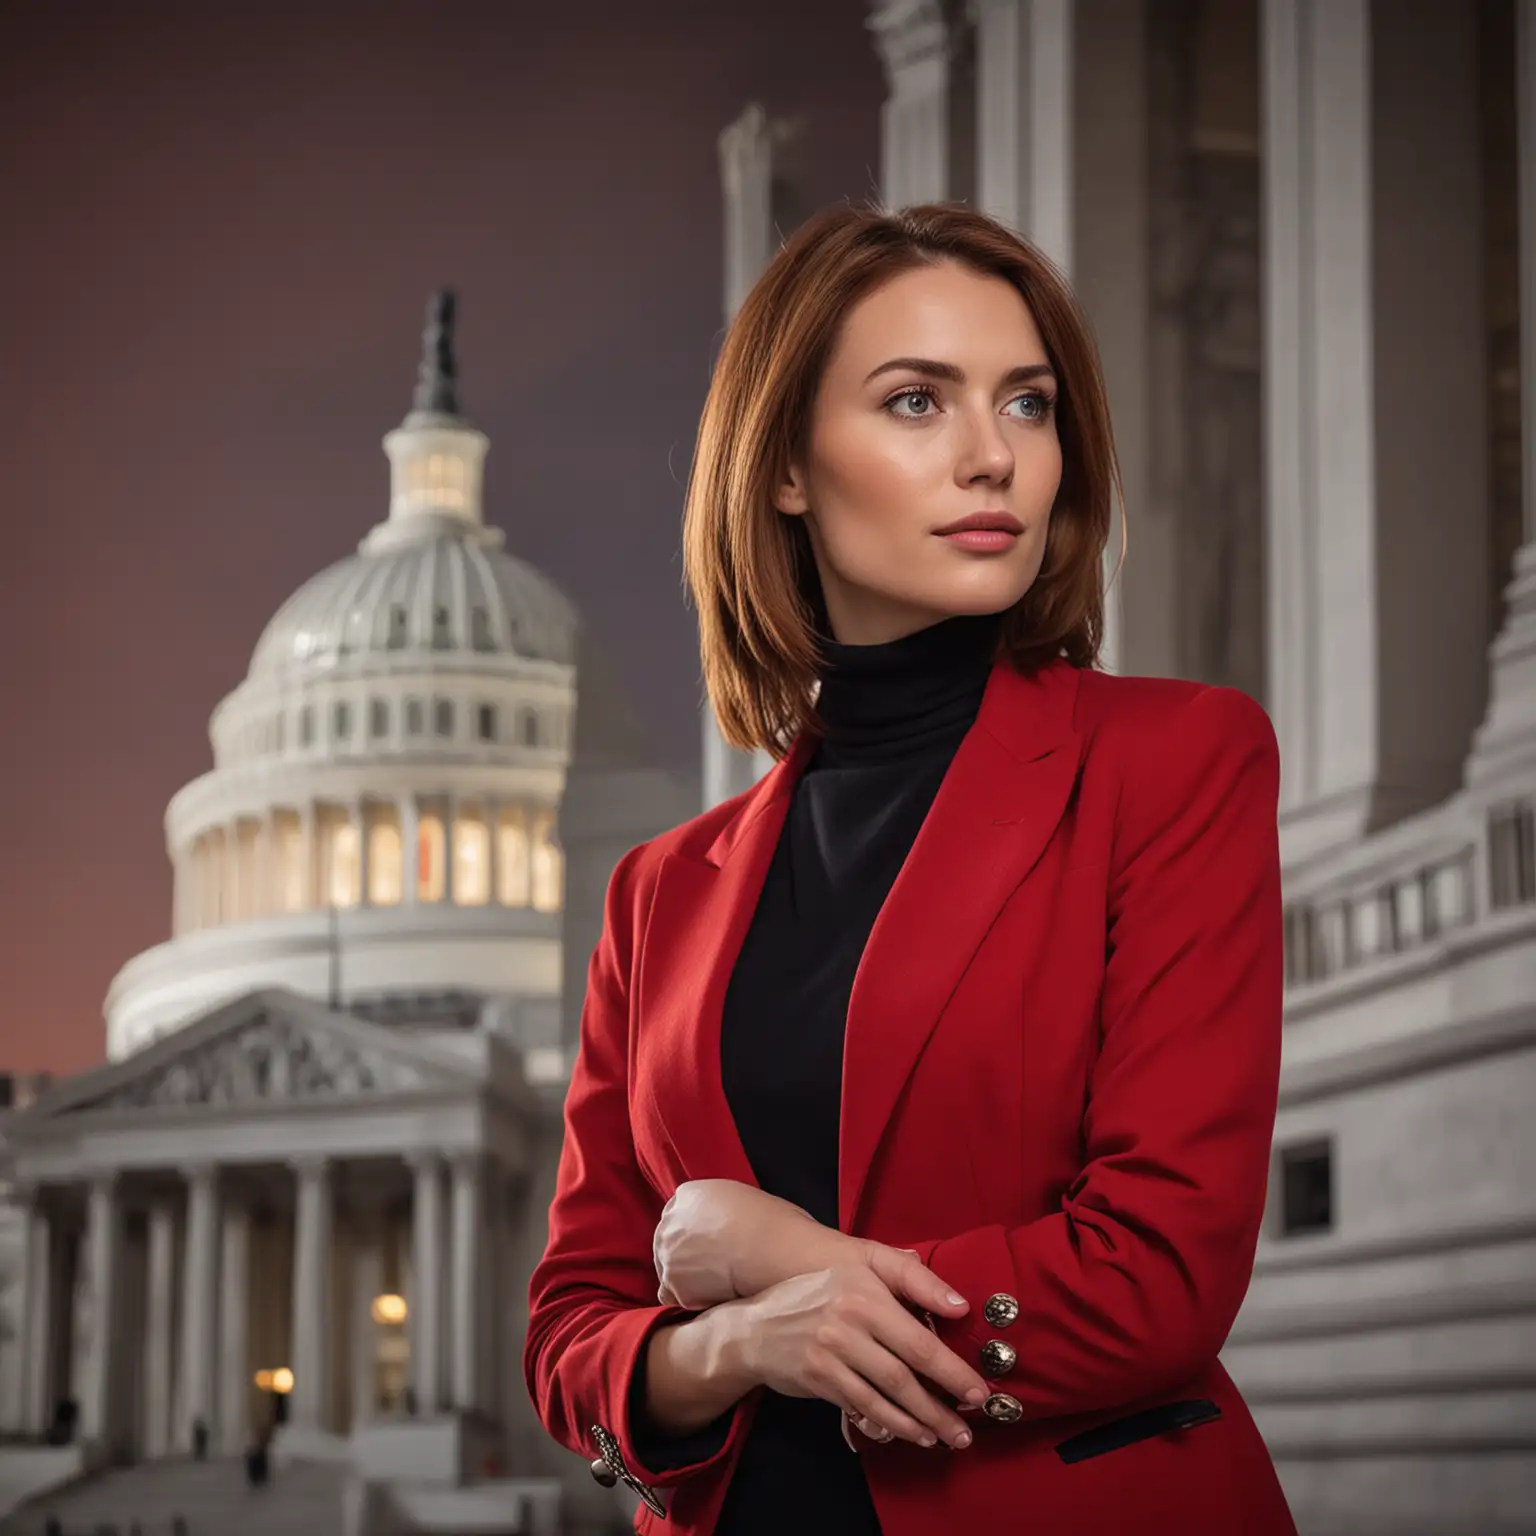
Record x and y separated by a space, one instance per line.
221 226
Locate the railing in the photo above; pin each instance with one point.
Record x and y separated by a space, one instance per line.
1395 902
176 1526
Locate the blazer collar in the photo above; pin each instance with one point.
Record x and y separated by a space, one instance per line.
995 811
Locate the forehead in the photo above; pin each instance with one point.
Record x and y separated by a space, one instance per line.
947 312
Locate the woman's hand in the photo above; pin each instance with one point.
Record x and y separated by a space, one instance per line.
839 1334
718 1239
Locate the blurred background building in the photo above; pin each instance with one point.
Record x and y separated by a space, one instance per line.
1305 231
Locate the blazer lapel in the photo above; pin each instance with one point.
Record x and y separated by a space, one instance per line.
700 913
999 803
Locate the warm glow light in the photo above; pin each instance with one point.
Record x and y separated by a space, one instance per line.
263 1381
282 1379
389 1308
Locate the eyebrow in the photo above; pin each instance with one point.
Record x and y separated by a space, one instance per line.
954 375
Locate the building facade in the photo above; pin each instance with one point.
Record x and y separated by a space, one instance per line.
300 1202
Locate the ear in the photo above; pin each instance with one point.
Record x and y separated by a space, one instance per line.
789 495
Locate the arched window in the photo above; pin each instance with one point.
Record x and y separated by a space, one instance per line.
548 865
340 857
512 860
292 887
386 869
429 858
471 859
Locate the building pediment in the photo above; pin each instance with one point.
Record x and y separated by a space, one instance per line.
270 1058
269 1049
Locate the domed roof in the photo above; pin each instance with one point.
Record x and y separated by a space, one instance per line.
445 593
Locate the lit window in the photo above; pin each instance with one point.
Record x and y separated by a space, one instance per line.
547 866
487 722
442 716
378 718
429 858
292 887
512 864
340 866
386 873
413 717
471 861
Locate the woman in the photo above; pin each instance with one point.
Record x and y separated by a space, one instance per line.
917 1142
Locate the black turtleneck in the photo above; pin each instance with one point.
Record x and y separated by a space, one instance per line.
893 716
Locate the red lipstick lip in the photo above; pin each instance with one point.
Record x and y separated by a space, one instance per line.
983 522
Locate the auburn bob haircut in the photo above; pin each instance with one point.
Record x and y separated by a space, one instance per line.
749 567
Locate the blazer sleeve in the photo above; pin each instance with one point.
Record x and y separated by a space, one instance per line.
1131 1288
592 1297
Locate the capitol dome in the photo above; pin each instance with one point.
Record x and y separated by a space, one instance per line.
387 775
447 592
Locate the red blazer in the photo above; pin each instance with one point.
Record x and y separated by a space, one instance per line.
1059 1086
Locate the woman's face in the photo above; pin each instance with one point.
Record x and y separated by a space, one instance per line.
937 405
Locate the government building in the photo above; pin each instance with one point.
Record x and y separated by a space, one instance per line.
1305 232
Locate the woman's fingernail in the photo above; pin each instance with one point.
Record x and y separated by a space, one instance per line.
962 1440
976 1396
955 1299
928 1440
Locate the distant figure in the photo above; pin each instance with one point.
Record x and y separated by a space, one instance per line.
258 1463
200 1438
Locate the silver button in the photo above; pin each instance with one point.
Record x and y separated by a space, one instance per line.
998 1358
610 1471
1000 1310
1005 1409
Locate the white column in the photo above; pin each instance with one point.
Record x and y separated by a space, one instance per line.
234 1410
367 1283
1024 126
491 810
1377 487
467 1248
199 1305
268 863
410 851
746 149
159 1347
15 1417
307 859
310 1361
425 1315
1506 745
916 40
104 1243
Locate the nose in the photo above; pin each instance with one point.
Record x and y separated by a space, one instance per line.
985 452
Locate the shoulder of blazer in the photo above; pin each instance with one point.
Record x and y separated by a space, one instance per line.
1139 711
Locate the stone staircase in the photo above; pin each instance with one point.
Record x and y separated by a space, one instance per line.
301 1499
